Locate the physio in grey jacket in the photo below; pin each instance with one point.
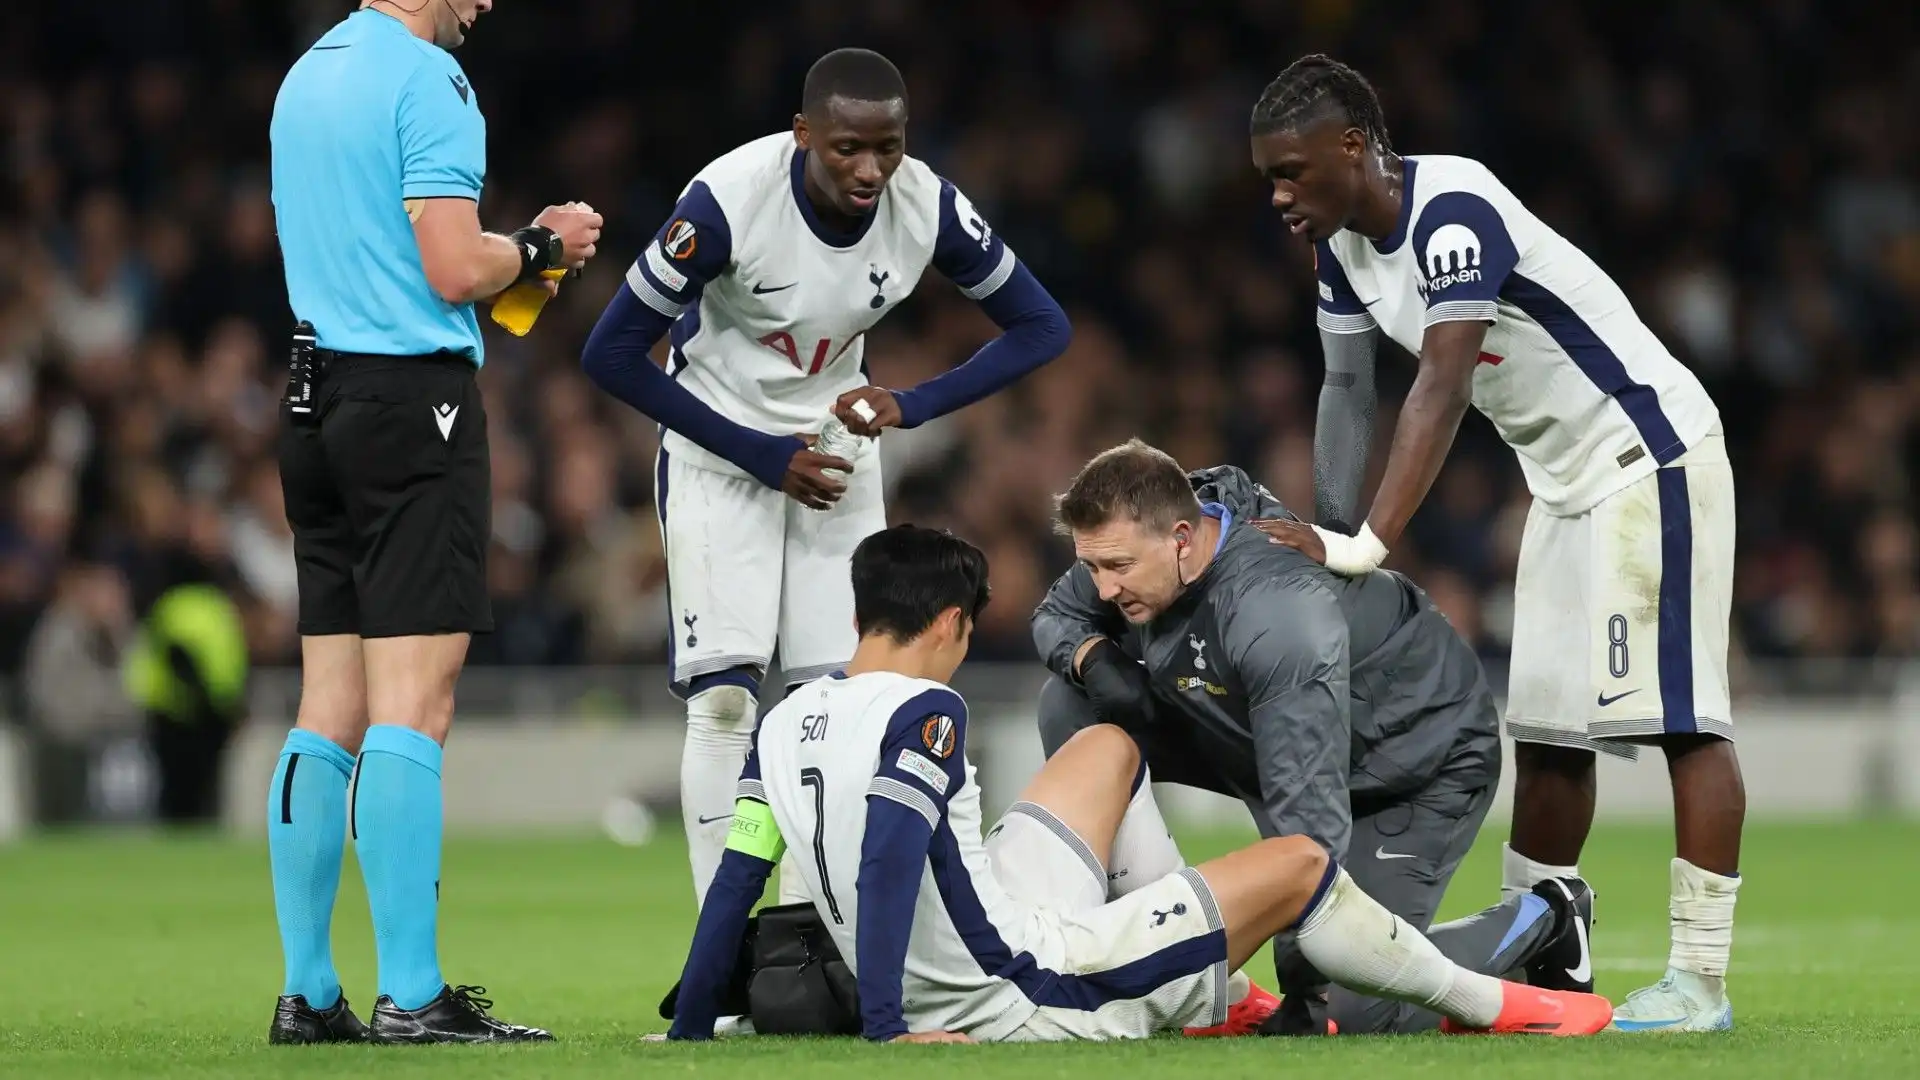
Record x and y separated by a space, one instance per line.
1341 708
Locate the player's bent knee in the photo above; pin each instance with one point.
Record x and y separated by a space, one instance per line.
727 702
1279 872
1297 858
1264 889
1105 743
1292 867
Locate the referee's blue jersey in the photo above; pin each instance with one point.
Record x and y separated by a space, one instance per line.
370 117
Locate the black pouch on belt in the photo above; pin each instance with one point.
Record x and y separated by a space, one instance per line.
302 400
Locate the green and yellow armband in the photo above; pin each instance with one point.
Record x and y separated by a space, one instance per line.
754 832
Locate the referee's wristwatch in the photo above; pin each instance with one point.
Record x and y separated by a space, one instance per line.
541 249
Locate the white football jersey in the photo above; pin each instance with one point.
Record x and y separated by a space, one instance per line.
1574 381
771 305
973 952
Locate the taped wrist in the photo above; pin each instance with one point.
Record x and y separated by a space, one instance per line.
1352 554
538 251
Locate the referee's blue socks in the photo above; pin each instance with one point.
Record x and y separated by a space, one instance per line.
306 835
396 822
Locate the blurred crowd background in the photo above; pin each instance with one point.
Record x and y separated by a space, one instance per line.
1745 168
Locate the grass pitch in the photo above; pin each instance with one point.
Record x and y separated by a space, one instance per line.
157 957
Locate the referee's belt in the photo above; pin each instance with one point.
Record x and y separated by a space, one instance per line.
326 358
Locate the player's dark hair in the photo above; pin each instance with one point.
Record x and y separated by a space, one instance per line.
854 74
905 576
1318 87
1132 481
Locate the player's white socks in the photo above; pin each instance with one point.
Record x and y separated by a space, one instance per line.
719 733
1700 913
1143 848
1363 946
1519 873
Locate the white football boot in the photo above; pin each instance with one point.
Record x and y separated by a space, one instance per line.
1680 1001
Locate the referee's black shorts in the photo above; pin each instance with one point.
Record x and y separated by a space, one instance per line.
389 493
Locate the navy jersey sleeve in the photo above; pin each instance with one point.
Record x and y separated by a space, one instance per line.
691 249
967 250
1340 310
443 139
1465 255
922 765
974 257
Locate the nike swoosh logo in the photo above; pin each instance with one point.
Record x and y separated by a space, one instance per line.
1383 853
1583 971
759 290
711 820
1606 701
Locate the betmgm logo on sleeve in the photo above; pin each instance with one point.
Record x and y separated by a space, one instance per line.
1452 258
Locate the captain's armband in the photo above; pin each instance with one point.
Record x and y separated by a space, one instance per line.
753 831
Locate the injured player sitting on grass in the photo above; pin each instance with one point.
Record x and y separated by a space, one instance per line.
1014 937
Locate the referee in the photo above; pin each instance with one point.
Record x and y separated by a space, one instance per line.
379 152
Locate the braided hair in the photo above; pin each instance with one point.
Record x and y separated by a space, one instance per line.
1316 86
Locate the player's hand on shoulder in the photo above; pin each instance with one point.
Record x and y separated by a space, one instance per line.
932 1037
1337 549
1298 536
809 481
883 410
579 229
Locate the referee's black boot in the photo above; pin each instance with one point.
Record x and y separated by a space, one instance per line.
296 1023
1566 962
457 1015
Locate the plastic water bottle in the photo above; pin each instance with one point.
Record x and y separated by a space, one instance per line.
837 441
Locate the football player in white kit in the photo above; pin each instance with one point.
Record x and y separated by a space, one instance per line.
1625 580
778 258
1015 937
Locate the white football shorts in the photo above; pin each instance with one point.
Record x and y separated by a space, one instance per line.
1621 614
1151 961
749 568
